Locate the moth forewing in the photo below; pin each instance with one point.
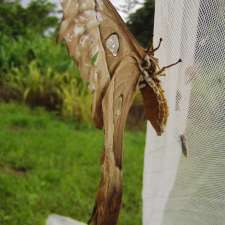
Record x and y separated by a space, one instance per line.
80 30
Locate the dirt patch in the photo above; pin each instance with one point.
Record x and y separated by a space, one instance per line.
14 171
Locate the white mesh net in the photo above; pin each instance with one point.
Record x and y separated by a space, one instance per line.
190 190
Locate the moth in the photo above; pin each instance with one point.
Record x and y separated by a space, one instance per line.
114 64
184 146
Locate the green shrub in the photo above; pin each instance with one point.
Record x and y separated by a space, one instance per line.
63 92
44 50
34 68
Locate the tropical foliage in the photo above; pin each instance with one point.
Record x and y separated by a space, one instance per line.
35 69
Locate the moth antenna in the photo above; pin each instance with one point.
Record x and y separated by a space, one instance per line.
169 66
159 45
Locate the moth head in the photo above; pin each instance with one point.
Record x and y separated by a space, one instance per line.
150 64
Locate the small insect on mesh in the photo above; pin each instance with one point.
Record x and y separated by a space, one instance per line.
184 177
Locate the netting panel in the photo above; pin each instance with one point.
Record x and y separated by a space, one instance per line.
180 190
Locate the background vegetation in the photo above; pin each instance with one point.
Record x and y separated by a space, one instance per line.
47 163
141 23
50 166
35 69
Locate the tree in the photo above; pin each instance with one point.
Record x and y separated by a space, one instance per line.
141 23
23 39
37 17
128 5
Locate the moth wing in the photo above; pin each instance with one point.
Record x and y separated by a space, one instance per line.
117 40
155 105
98 40
80 30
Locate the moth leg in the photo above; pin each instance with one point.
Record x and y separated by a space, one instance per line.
142 83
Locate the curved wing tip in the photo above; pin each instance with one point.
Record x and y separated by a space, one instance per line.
159 129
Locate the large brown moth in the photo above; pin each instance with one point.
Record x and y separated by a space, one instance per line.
114 64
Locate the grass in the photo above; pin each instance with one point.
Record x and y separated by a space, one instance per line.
51 166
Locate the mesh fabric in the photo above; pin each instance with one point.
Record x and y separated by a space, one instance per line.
180 190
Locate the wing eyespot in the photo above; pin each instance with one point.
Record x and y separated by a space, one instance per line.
113 44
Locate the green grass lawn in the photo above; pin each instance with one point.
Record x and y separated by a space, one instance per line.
51 166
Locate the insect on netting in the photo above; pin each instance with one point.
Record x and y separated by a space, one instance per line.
112 61
184 177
